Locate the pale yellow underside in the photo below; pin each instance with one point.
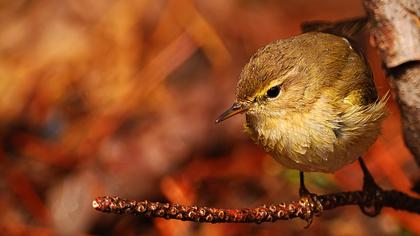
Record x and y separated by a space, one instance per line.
307 142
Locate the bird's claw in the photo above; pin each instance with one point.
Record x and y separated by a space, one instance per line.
373 194
312 206
309 201
372 204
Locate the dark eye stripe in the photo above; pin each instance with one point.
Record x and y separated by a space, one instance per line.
273 92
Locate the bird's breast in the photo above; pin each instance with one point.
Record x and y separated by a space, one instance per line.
322 140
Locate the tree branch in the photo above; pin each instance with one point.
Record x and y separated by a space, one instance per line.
283 211
396 33
404 70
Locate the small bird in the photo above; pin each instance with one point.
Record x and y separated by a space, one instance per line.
310 101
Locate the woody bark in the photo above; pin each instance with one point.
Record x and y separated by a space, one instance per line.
395 28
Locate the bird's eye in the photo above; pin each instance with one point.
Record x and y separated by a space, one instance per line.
273 92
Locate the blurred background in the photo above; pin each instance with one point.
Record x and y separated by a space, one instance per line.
120 97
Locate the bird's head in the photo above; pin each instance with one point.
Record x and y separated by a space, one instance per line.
273 84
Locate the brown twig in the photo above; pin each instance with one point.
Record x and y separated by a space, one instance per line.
284 211
304 209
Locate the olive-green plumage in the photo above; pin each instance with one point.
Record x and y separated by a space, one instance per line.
322 111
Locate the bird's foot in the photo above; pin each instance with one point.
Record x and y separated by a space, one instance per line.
312 206
373 194
309 202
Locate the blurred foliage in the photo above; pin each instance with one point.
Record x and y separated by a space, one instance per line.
119 98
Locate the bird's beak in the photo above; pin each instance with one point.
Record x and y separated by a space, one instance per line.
235 109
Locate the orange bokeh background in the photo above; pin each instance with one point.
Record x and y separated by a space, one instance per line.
120 97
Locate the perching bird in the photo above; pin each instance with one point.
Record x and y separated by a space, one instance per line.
310 101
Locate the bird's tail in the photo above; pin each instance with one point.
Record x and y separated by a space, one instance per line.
347 29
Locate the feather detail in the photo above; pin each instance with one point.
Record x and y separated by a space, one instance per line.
327 113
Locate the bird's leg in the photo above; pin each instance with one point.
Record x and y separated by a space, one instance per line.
310 200
373 204
302 188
